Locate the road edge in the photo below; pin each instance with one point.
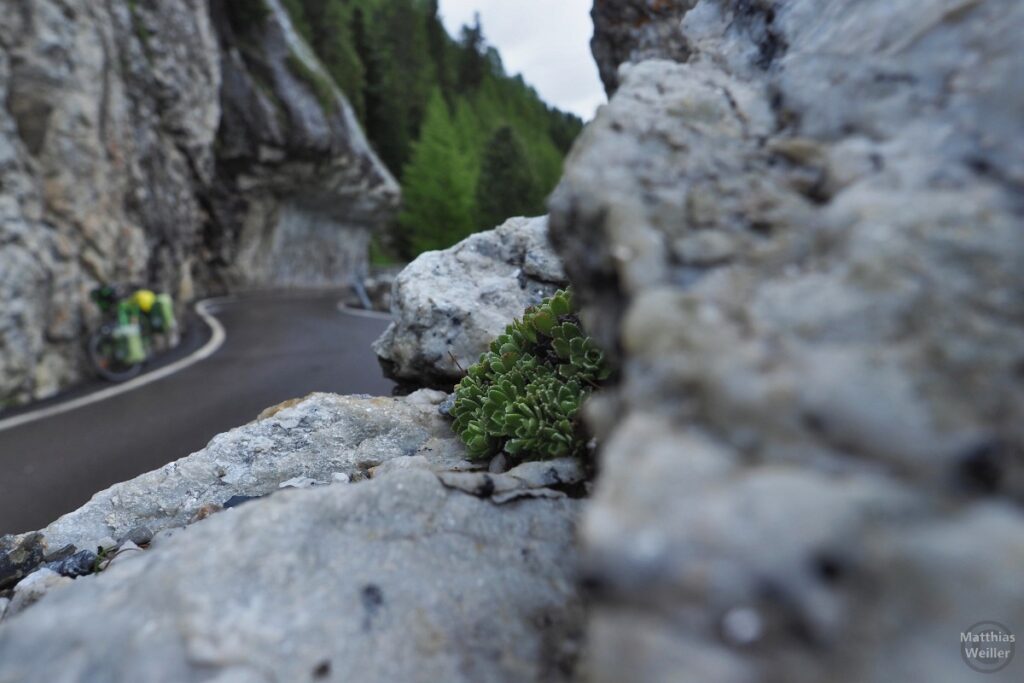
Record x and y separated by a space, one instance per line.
217 338
362 312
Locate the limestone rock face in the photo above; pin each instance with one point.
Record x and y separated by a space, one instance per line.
103 138
449 305
804 245
150 143
394 579
298 188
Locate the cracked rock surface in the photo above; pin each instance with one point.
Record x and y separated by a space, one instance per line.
313 438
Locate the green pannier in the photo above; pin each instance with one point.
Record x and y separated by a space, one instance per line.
129 338
162 315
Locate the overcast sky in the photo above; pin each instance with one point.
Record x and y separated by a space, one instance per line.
548 41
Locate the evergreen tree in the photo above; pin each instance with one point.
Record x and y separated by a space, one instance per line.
386 122
394 60
405 37
438 204
437 44
506 187
331 38
472 58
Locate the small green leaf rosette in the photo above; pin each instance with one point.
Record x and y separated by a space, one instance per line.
523 396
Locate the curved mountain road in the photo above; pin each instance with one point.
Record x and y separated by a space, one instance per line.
277 347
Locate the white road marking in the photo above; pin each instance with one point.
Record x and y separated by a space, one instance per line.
209 348
362 312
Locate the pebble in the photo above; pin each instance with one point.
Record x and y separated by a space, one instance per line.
445 407
742 626
427 397
74 565
498 464
62 554
140 535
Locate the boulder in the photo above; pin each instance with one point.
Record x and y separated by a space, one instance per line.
398 578
448 306
802 242
314 438
164 144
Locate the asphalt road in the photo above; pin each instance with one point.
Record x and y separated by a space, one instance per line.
276 348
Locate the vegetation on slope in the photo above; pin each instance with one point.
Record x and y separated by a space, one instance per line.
471 145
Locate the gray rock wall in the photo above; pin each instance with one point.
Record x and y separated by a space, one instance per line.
147 142
803 244
298 189
103 138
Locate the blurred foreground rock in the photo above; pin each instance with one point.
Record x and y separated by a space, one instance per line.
805 246
448 306
635 30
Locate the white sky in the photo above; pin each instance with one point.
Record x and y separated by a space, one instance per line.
548 41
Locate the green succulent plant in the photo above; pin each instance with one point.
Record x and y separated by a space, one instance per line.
523 397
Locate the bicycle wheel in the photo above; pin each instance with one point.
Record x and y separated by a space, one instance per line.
108 359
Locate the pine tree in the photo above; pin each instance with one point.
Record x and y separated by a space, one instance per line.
405 34
506 187
438 203
387 126
438 45
472 57
331 38
393 58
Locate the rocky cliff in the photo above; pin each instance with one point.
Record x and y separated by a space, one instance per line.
184 145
